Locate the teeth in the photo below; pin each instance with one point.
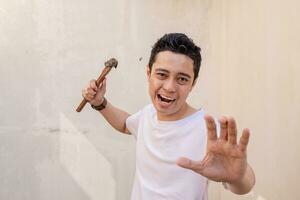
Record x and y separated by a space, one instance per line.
168 98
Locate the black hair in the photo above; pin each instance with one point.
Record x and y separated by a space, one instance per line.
177 43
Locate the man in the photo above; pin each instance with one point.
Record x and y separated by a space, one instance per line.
178 147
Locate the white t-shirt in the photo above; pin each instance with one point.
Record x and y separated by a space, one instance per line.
159 145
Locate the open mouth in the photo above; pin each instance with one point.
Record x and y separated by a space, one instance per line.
165 99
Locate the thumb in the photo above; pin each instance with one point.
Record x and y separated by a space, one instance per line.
102 85
102 88
189 164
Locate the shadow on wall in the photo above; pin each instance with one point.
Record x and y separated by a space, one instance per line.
30 169
84 163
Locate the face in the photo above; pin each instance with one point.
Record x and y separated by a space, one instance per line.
170 82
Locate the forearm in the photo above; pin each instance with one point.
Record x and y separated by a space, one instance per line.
115 117
245 185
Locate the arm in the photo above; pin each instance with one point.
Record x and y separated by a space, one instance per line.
113 115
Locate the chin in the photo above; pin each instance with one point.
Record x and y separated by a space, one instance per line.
169 110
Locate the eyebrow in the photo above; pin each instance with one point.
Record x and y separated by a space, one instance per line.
184 74
159 69
180 73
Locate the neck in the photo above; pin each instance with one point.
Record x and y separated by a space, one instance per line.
185 111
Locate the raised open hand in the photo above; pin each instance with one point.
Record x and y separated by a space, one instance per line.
225 159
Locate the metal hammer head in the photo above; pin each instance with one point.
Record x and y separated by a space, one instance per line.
111 63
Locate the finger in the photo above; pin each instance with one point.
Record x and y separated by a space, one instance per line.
93 85
223 124
90 91
244 140
189 164
211 127
88 96
232 131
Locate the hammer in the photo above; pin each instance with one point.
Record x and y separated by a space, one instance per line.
108 65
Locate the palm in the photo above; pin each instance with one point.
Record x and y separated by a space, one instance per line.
225 160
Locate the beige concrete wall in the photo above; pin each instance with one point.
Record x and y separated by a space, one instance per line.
50 49
257 49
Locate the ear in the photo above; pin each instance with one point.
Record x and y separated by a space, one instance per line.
194 83
148 72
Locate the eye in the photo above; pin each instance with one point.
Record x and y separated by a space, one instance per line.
182 80
161 75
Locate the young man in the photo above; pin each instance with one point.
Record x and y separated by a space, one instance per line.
178 148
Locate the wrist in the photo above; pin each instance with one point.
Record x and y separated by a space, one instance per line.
99 103
243 185
101 106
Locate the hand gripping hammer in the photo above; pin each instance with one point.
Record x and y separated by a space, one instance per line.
108 65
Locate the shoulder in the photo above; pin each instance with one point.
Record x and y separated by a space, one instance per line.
148 110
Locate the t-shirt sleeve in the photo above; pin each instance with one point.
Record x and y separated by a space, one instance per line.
132 123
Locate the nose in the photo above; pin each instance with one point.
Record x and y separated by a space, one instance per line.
169 85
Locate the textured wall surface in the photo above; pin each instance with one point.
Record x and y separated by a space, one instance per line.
259 50
50 49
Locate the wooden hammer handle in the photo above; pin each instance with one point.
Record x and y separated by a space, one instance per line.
98 82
